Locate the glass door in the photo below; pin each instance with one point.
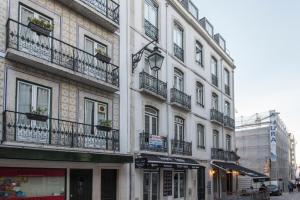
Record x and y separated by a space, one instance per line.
151 186
179 185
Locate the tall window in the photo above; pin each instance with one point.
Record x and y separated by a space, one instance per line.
215 139
215 101
151 120
178 41
201 136
227 81
179 185
179 128
214 71
151 185
95 112
227 109
178 80
199 53
151 13
200 94
228 143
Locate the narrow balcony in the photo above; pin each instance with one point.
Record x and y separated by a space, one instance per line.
22 129
229 122
180 99
216 116
103 12
153 143
214 80
178 52
181 147
55 56
151 30
153 86
220 154
227 90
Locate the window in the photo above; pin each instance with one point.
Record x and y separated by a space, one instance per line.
167 186
227 109
215 139
178 80
227 81
91 46
179 185
95 112
151 186
201 136
32 97
200 94
228 143
179 128
215 101
214 71
151 120
151 13
199 53
178 41
193 9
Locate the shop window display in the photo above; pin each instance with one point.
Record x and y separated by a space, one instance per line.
32 184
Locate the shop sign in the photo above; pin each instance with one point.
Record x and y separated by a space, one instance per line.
155 142
273 128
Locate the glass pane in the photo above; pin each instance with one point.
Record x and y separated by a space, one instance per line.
89 112
146 188
102 112
181 185
176 185
147 123
103 48
24 98
89 46
155 186
43 100
154 126
25 14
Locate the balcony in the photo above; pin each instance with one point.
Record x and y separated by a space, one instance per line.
216 116
19 128
178 52
153 86
56 56
153 143
214 80
220 154
227 90
181 147
229 122
103 12
180 99
151 30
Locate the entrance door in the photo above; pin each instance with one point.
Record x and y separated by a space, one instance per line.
201 183
108 184
81 184
179 185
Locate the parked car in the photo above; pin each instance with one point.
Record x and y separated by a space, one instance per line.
274 190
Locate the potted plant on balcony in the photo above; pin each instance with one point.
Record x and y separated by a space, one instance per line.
104 125
102 56
38 114
41 27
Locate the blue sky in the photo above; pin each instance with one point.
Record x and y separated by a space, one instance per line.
263 37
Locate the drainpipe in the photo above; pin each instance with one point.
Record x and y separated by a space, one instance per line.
168 85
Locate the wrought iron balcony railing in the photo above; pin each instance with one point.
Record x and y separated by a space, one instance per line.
18 127
220 154
181 98
151 30
181 147
153 84
178 52
216 116
21 38
108 8
214 80
227 89
153 142
229 122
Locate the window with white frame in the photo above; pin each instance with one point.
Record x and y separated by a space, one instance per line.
214 71
227 109
178 80
151 15
179 185
178 41
151 120
92 46
179 128
227 81
200 94
215 139
151 185
95 112
215 101
228 143
199 53
201 136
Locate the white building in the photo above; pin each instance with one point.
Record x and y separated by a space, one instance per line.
181 116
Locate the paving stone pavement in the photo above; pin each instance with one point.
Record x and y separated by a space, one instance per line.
288 196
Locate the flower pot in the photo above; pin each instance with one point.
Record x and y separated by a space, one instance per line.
102 57
39 30
104 128
36 117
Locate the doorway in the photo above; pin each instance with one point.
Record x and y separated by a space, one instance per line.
108 184
179 185
81 184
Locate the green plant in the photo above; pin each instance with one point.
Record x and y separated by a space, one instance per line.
107 123
41 23
39 111
101 51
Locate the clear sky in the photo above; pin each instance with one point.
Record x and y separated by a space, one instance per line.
263 37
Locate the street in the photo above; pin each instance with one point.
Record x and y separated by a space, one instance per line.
287 196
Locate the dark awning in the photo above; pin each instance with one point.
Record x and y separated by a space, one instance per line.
243 170
149 161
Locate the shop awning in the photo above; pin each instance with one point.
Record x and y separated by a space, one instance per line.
149 161
242 170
